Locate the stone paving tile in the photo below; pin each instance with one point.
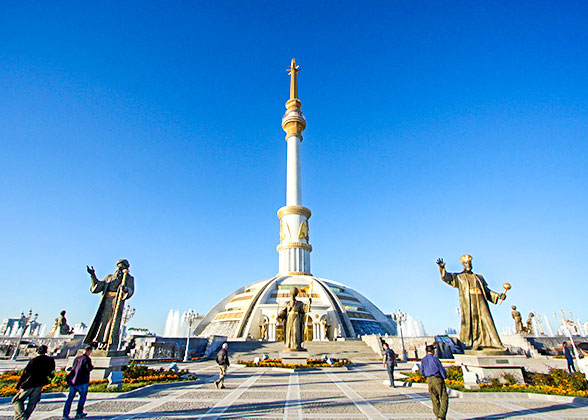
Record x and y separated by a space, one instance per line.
114 406
335 405
148 393
206 394
90 417
265 395
320 396
181 407
382 394
49 406
270 407
401 407
477 407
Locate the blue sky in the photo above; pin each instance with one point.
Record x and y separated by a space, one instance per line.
151 131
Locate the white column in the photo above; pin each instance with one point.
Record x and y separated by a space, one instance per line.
293 187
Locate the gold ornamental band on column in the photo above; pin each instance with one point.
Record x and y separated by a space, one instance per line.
294 273
303 211
302 245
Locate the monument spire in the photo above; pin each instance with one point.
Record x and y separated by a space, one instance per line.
294 248
293 71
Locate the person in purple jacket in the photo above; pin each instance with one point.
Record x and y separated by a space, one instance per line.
433 370
78 380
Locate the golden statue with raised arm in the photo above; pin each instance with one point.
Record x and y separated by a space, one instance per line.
478 331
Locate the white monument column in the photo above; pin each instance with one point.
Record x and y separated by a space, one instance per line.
293 187
294 248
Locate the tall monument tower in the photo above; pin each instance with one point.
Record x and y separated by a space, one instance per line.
294 248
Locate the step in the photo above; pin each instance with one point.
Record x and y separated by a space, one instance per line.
352 350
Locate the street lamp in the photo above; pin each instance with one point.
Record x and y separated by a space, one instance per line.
189 319
127 314
399 318
24 322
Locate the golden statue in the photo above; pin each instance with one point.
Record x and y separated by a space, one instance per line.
518 318
294 313
477 326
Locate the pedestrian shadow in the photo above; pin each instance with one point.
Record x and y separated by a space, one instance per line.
525 411
245 409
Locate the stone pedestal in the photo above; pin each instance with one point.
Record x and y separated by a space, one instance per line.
479 365
104 363
294 357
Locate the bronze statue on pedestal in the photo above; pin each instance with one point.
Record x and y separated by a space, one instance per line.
104 334
294 313
478 331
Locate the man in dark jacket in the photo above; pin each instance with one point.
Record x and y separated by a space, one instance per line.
222 359
35 376
78 380
389 360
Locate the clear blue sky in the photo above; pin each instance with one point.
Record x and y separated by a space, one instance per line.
151 131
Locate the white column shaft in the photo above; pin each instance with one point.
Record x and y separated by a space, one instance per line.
293 185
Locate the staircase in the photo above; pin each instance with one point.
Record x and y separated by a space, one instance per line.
356 351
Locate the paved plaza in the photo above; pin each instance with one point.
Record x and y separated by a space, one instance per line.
253 393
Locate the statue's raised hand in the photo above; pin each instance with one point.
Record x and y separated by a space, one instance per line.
440 262
91 270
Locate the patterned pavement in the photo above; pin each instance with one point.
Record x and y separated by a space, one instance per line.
320 394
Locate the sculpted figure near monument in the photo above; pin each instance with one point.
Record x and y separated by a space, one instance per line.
518 319
116 288
60 327
294 313
530 328
477 326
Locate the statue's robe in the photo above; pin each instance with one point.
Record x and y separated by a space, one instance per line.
294 314
477 325
108 318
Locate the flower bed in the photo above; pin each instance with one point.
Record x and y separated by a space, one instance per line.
556 382
134 376
312 363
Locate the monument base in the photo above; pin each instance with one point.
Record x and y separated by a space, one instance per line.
105 362
479 366
294 357
487 352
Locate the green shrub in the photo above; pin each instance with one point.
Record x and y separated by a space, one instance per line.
454 373
558 378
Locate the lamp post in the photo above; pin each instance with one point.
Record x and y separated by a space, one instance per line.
189 319
25 322
399 318
127 314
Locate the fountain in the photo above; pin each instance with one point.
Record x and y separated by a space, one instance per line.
412 327
175 325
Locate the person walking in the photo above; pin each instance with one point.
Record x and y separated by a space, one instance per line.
78 380
35 376
569 357
433 370
389 361
222 359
